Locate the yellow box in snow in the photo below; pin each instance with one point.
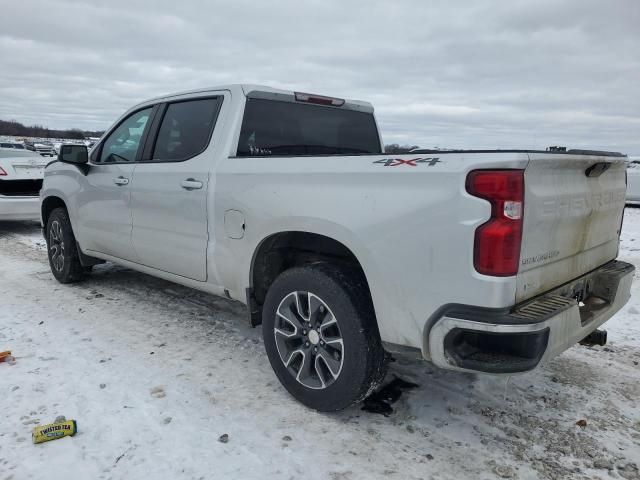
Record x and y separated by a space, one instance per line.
53 431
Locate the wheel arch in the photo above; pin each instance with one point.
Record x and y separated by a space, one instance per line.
49 204
285 249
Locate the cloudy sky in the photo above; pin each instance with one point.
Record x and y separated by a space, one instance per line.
517 73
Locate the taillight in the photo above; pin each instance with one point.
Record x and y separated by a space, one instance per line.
2 172
497 241
318 99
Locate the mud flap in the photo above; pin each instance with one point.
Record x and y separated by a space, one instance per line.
255 317
86 260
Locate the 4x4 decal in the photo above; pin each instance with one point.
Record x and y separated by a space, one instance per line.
411 162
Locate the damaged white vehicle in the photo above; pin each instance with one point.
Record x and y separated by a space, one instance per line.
485 261
21 173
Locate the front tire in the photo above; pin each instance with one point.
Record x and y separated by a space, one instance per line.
321 336
62 248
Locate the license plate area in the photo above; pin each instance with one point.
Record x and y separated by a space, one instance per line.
29 170
593 293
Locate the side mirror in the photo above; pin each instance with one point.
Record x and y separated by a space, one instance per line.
76 154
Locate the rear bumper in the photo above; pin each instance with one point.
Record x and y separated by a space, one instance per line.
19 208
493 341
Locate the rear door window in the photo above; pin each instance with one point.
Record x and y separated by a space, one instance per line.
186 129
281 128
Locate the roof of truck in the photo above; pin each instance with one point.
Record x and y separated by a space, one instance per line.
248 89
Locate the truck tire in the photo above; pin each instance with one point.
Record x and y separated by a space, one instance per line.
62 249
321 336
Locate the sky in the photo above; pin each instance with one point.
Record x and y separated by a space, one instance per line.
448 74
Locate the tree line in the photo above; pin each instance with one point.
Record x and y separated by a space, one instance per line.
395 148
17 129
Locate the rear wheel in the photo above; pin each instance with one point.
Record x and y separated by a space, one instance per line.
321 336
62 248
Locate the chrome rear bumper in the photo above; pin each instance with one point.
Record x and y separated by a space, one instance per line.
474 339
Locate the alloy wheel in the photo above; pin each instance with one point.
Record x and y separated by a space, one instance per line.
56 246
309 340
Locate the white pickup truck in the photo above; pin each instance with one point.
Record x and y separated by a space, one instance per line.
486 261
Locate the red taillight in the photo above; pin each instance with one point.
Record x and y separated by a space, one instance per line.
497 241
318 99
2 172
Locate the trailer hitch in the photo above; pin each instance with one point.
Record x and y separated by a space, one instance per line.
597 337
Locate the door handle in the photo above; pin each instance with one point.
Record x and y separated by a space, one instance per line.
191 184
121 180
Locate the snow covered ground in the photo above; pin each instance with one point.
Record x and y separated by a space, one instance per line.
155 373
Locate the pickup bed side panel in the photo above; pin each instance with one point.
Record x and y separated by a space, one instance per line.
411 226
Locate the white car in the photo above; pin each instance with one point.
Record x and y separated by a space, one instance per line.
633 180
45 149
486 261
21 173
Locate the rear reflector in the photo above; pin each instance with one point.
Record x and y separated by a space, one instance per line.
497 241
2 172
319 99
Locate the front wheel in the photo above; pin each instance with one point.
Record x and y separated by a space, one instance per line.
62 248
321 336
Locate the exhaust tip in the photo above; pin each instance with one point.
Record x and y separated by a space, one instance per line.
597 337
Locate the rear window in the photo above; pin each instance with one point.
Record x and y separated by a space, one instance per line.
293 129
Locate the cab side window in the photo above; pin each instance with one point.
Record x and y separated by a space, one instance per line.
186 129
123 143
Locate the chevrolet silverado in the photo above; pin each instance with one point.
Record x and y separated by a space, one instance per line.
486 261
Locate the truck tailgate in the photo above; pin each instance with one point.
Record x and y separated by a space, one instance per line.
572 217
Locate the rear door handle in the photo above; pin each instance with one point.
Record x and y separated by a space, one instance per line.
191 184
121 181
